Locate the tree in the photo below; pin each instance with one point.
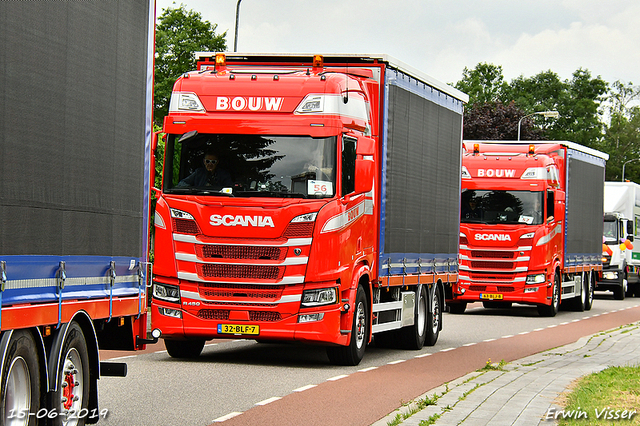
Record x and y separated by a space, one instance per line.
498 121
179 34
622 133
484 84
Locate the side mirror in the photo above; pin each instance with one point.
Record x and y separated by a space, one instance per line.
365 166
630 230
152 166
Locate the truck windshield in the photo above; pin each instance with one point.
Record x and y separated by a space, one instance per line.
611 232
495 206
250 165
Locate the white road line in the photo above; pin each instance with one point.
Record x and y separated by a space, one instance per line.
539 329
552 325
227 417
160 352
364 370
489 340
124 357
586 317
447 350
396 362
507 336
422 356
333 379
523 333
269 401
576 320
471 344
564 323
304 388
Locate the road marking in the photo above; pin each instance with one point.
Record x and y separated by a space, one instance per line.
576 320
269 401
364 370
333 379
596 315
471 344
489 340
552 325
507 336
422 356
539 329
227 417
304 388
586 317
564 323
161 352
447 350
211 344
524 332
396 362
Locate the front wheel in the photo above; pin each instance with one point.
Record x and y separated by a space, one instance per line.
353 353
184 348
20 385
552 310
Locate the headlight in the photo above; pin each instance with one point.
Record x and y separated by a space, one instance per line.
170 293
535 279
610 275
529 235
319 297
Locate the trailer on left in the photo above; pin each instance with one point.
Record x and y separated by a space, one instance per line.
75 138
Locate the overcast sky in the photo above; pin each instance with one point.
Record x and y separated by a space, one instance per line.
441 37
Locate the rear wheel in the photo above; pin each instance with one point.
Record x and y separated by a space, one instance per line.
20 386
413 337
552 310
353 353
72 394
434 317
589 285
184 348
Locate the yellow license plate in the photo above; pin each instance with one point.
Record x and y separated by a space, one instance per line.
490 296
252 330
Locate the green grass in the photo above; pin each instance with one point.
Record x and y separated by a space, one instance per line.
419 405
609 392
494 367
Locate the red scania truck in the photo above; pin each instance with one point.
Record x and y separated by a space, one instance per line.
307 198
531 225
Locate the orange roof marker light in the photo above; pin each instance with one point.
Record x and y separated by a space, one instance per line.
476 148
532 149
221 62
318 63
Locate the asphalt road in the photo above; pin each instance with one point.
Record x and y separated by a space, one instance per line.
257 383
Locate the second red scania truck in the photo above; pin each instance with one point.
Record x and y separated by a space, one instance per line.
531 225
307 198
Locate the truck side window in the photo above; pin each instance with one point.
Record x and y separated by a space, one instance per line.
550 203
348 165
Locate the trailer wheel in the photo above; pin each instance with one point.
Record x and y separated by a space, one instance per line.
20 391
552 310
578 303
457 308
589 286
354 352
72 394
413 337
434 317
184 348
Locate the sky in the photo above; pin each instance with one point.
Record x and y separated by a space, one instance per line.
442 37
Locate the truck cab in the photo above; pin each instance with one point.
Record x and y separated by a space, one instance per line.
617 269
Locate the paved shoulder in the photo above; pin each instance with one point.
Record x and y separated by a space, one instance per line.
521 392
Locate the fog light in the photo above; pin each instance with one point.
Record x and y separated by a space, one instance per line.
170 312
531 289
310 317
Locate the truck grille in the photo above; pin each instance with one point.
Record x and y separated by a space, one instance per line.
240 252
223 315
299 230
492 265
481 254
499 288
492 276
246 291
241 271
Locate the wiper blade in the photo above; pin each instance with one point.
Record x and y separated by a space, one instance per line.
198 191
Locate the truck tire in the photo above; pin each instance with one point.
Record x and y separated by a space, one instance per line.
413 337
552 310
184 348
353 353
590 285
579 302
457 308
20 385
434 317
619 292
72 393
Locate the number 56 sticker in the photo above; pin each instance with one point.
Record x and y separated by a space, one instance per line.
319 187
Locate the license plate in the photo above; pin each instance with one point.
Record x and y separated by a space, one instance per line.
490 296
241 329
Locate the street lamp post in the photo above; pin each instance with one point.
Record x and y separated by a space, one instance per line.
625 163
235 40
547 114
